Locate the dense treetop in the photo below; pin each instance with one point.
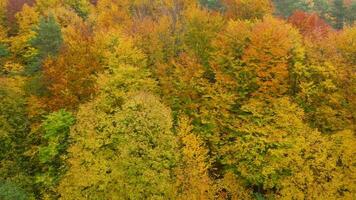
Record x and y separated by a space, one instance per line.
177 99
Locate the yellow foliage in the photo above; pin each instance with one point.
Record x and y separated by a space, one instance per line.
248 9
192 174
111 14
27 19
45 6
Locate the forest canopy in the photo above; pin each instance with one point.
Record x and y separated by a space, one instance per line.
177 99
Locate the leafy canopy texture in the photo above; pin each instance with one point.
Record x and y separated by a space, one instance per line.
177 99
123 146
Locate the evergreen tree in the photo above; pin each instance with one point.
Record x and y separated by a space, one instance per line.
339 12
287 7
48 41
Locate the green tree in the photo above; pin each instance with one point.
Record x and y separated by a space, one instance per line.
350 16
287 7
14 141
52 151
339 11
212 4
9 191
48 41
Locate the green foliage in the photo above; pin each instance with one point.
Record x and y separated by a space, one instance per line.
49 37
339 11
3 51
287 7
336 12
13 123
52 151
14 143
200 30
48 41
81 7
56 129
212 4
9 191
178 99
263 145
350 15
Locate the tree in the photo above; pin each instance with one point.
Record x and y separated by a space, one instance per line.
212 4
287 7
20 47
12 8
192 173
4 50
346 47
346 44
15 168
81 7
44 6
229 48
128 138
268 55
323 82
48 41
310 25
324 103
199 32
247 9
9 191
70 76
350 15
276 153
338 12
111 14
135 152
184 87
3 5
53 149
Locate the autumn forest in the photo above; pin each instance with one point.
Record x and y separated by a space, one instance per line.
177 99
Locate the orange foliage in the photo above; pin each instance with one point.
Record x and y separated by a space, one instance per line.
269 53
310 25
70 77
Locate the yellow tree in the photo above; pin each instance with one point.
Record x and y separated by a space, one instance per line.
275 152
325 82
346 45
326 171
21 49
229 47
200 28
45 6
123 144
110 14
247 9
193 181
255 59
3 5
